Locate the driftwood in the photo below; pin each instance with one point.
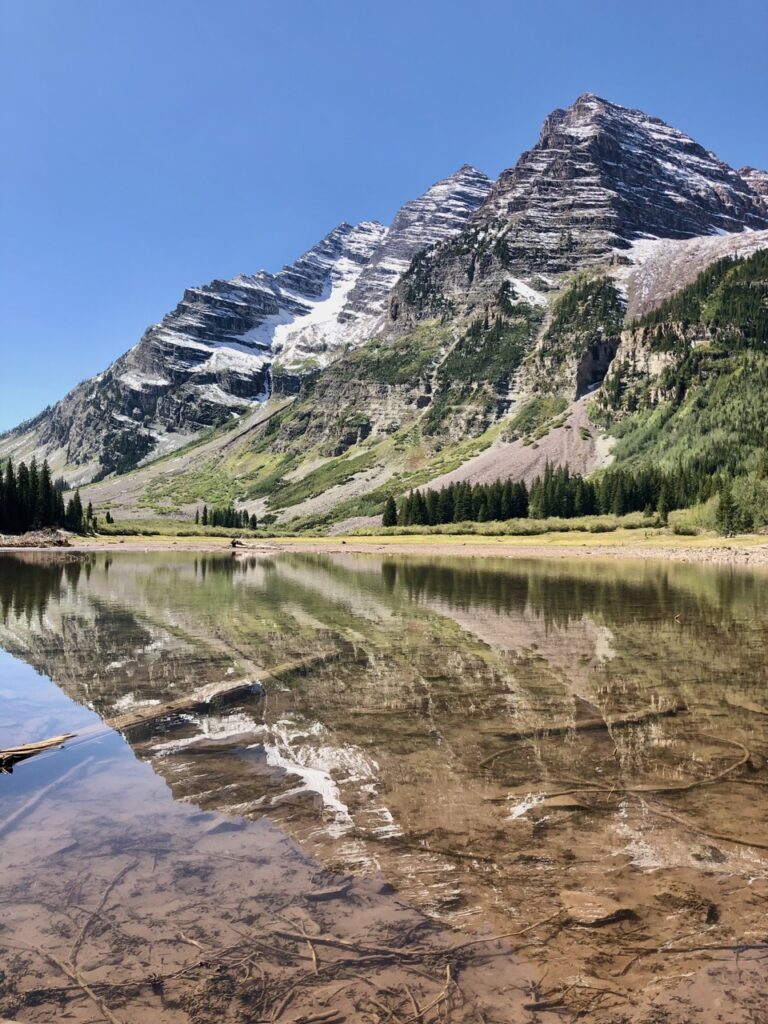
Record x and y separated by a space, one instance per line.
215 693
585 725
13 755
198 700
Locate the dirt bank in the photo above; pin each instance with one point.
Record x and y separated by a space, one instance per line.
749 550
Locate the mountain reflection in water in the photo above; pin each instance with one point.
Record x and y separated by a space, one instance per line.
470 731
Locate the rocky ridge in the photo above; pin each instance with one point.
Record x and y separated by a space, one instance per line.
600 177
607 193
228 344
442 211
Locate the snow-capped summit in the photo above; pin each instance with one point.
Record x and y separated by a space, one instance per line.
602 175
221 349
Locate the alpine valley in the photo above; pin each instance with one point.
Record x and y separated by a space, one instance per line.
603 303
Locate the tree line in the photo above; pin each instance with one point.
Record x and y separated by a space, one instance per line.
31 500
226 515
557 493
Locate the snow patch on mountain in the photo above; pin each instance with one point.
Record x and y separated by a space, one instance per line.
662 266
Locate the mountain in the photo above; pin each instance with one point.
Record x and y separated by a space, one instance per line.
603 175
599 178
474 337
208 359
227 345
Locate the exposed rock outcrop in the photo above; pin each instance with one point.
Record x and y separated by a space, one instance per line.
227 344
757 181
600 177
442 211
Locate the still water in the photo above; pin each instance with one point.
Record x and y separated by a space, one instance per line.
571 751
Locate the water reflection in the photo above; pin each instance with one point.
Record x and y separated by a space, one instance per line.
452 699
27 584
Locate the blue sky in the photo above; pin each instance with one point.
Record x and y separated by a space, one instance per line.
155 144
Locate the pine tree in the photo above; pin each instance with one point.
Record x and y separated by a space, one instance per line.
420 515
405 516
47 502
29 499
726 515
24 498
663 504
463 504
389 517
74 517
619 505
430 503
445 505
34 513
507 501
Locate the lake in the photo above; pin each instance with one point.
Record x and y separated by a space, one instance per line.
430 753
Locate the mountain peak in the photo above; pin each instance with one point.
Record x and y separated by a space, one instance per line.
602 175
466 171
591 99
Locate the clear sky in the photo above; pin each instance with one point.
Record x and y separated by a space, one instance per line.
153 144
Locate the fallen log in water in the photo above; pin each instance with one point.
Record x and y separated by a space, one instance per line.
215 693
585 725
13 755
197 700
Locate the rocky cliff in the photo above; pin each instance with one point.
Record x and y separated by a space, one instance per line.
441 212
600 177
226 345
757 181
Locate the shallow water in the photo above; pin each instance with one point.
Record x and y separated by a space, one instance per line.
437 742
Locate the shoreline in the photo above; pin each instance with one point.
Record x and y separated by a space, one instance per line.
750 551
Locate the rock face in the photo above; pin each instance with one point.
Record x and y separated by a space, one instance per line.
229 343
600 177
217 346
442 211
207 359
757 181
